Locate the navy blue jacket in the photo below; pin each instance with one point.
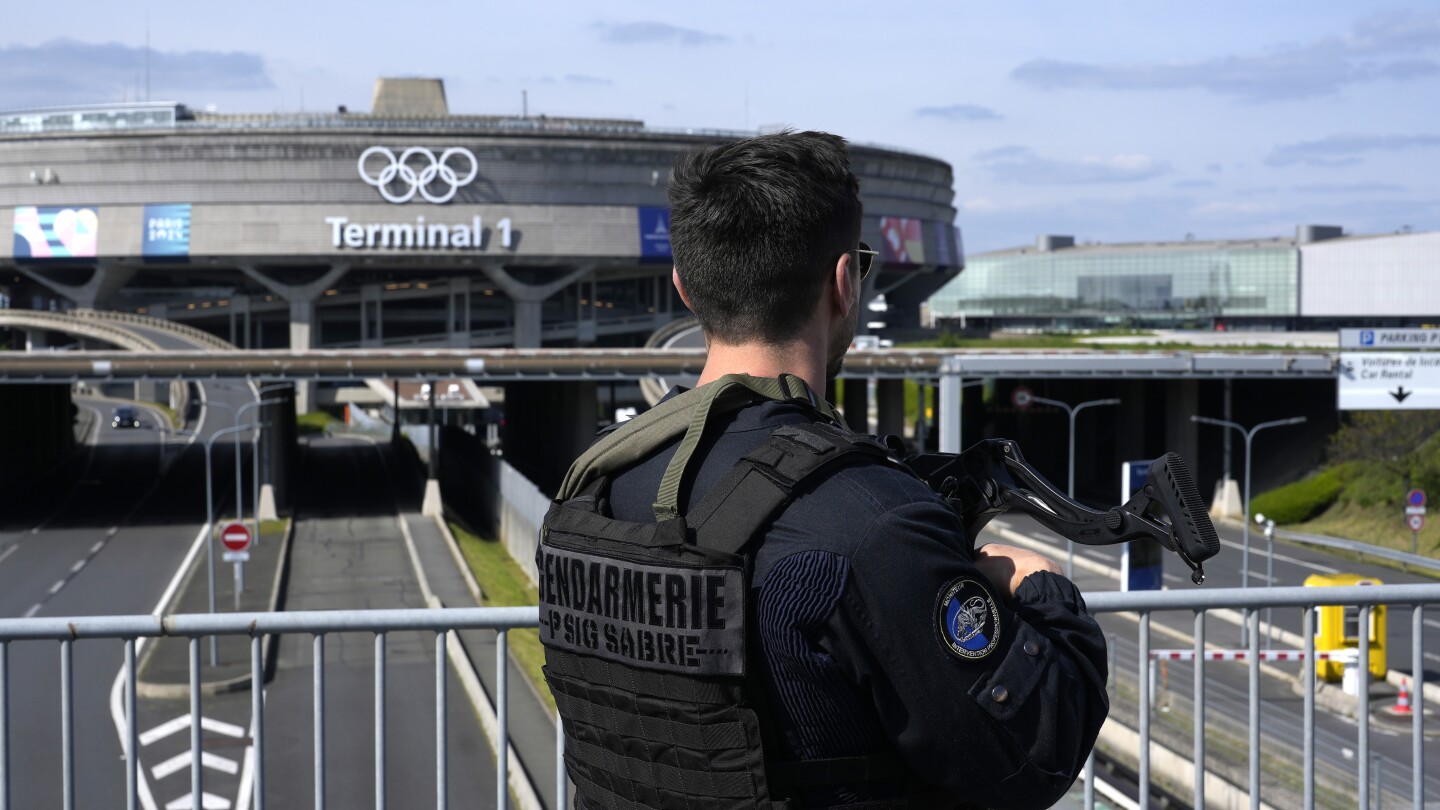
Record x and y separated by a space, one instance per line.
879 634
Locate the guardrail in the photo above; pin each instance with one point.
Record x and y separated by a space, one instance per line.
1363 549
199 336
134 630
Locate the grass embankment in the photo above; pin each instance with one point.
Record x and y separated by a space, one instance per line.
504 584
171 415
1077 340
314 423
1357 500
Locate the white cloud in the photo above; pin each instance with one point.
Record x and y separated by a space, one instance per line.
65 71
1345 150
959 112
1018 164
640 33
1383 47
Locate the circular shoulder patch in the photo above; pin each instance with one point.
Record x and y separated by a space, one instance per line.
969 622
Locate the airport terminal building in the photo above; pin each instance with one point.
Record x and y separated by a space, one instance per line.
404 226
1319 280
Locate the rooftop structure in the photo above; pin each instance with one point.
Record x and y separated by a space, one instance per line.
1318 279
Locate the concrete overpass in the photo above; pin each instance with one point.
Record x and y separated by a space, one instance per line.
1160 390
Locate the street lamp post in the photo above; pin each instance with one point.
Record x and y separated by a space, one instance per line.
210 524
1072 411
1245 541
254 466
1269 527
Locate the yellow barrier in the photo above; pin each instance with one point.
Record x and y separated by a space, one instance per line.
1338 628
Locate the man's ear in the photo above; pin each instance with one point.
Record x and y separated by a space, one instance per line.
845 284
680 288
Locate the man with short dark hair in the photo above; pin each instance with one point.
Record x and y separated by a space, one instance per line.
867 657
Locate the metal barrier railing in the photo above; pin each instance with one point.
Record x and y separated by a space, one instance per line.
135 630
1201 602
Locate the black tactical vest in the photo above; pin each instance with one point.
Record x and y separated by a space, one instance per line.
646 626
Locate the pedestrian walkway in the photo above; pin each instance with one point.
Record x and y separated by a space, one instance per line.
532 726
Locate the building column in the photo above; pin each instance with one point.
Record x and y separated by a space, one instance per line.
302 300
239 321
528 299
106 279
457 331
856 405
372 316
890 407
547 425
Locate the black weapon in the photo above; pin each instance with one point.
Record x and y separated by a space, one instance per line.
992 477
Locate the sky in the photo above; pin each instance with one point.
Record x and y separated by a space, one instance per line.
1108 120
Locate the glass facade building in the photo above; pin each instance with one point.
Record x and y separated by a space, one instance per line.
1182 284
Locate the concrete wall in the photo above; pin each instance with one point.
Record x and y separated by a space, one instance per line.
40 432
523 508
491 497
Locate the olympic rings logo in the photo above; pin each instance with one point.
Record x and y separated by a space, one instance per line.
415 171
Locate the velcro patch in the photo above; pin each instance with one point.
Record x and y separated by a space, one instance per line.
672 618
969 624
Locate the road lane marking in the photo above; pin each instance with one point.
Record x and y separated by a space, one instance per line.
222 727
165 729
11 550
1324 569
35 608
208 801
74 569
95 549
117 710
247 774
1432 624
54 589
182 761
114 530
182 722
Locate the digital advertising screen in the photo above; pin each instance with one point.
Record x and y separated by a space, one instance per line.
56 233
903 240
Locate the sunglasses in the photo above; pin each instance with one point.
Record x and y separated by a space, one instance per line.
865 258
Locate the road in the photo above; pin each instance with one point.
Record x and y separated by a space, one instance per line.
348 553
102 535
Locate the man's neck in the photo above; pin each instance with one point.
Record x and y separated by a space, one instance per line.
766 360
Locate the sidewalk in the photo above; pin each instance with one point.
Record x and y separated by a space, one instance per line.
531 725
165 663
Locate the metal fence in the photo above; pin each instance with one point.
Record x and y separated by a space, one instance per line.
1201 603
133 630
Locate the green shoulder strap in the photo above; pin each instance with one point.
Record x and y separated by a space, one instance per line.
687 413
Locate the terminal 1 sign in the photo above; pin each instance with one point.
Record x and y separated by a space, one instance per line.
418 235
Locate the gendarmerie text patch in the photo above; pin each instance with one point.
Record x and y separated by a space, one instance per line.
673 618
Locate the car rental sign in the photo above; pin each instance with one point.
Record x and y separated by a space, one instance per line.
1389 381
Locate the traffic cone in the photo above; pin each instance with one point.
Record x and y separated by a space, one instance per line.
1402 703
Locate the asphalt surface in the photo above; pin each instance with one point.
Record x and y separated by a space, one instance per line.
1227 683
102 535
349 553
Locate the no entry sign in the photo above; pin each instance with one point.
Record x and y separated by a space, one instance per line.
235 537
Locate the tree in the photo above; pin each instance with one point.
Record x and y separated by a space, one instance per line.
1391 439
